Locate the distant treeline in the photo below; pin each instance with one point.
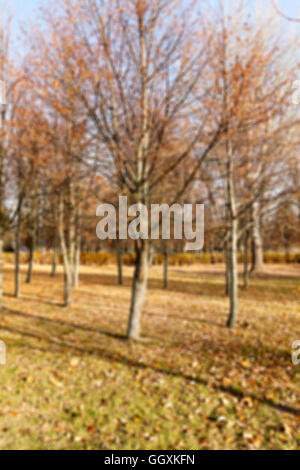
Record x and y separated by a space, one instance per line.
178 259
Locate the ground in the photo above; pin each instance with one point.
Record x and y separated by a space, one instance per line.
72 381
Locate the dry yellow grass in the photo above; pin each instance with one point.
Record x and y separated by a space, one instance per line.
73 381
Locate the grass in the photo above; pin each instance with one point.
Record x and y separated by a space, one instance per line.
72 381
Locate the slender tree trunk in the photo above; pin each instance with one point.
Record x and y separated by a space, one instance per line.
66 262
54 257
227 269
287 249
138 290
152 254
233 285
72 230
77 261
212 256
257 247
17 256
77 253
120 264
67 287
246 262
33 236
252 255
166 268
31 258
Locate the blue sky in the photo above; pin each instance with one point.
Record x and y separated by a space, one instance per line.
24 9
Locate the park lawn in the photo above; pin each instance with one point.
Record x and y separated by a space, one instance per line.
72 381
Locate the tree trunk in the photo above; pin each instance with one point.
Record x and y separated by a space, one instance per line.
227 269
66 262
257 243
287 249
17 257
72 231
138 290
166 269
233 285
152 254
31 258
77 262
212 256
233 272
120 264
67 287
246 256
140 278
54 257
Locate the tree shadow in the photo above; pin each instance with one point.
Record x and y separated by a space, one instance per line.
56 344
44 321
43 300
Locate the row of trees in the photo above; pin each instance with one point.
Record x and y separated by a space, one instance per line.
157 101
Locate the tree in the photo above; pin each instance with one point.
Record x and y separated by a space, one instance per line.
144 68
250 83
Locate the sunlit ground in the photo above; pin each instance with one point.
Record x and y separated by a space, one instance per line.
72 381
